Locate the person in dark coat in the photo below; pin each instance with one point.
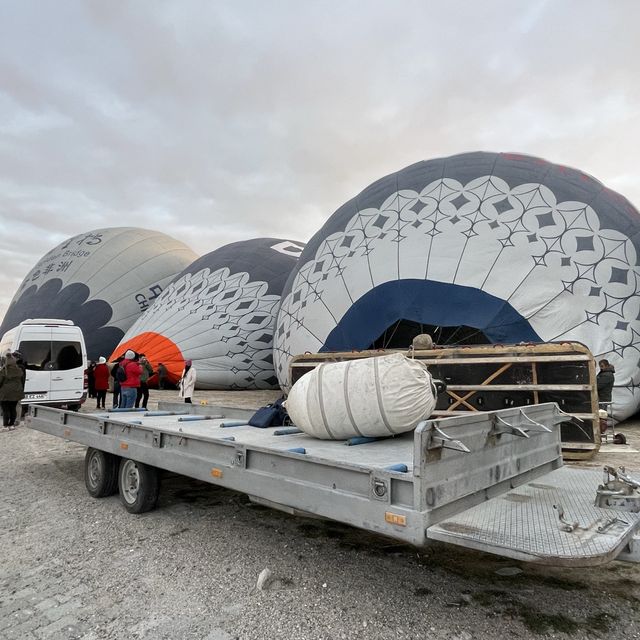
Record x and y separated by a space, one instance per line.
11 390
143 389
116 382
162 376
23 367
23 408
605 380
101 381
91 379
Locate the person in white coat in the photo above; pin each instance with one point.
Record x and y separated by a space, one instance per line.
187 382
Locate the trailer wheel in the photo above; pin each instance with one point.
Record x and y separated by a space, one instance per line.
139 486
100 473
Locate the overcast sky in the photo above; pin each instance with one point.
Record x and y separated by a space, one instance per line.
220 121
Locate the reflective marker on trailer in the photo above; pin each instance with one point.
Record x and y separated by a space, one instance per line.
216 473
395 518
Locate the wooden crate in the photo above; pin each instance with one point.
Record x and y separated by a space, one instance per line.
489 377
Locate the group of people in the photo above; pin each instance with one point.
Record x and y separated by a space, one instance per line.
128 378
12 379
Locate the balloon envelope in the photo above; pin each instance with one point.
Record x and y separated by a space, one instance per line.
103 280
478 247
219 313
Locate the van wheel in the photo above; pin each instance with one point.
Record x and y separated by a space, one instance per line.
100 473
74 407
139 486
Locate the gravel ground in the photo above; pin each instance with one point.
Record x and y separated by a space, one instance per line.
75 567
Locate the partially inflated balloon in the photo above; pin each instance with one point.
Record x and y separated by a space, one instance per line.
479 247
219 313
103 280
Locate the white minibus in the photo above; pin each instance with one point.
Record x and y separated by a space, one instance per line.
54 355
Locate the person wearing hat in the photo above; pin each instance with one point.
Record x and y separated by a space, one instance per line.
129 385
101 381
11 390
187 382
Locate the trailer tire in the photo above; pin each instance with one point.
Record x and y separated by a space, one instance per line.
100 473
139 486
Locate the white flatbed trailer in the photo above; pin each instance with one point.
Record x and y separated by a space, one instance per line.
489 481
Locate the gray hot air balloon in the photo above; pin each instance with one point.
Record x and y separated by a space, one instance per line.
102 280
219 313
478 247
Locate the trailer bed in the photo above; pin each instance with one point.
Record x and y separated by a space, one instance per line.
473 480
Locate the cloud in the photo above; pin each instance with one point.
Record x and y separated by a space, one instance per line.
216 122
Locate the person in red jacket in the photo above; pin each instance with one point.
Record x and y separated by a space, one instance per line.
101 381
129 386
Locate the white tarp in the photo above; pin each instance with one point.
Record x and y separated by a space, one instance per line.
379 396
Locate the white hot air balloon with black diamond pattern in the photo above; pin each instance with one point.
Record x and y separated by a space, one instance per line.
478 247
220 313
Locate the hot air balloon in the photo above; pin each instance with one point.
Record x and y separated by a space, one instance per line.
219 313
475 248
103 280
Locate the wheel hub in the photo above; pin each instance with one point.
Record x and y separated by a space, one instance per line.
130 481
95 471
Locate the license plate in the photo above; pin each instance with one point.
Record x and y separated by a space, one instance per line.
35 396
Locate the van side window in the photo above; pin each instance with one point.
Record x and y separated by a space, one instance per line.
66 355
43 355
36 354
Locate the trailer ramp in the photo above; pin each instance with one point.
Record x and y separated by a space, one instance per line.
551 520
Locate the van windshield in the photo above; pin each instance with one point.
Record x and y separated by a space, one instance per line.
47 355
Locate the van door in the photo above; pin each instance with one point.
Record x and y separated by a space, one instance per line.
34 344
67 365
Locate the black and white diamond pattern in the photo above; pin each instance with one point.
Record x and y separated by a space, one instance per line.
223 322
517 243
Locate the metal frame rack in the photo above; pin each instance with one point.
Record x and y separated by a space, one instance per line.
482 378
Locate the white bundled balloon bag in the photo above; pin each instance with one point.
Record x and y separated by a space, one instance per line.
374 397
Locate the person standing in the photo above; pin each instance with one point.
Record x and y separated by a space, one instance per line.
101 381
11 390
130 382
91 379
21 365
187 382
605 380
162 375
22 408
143 389
116 382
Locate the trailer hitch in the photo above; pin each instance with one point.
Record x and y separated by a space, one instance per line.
619 491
